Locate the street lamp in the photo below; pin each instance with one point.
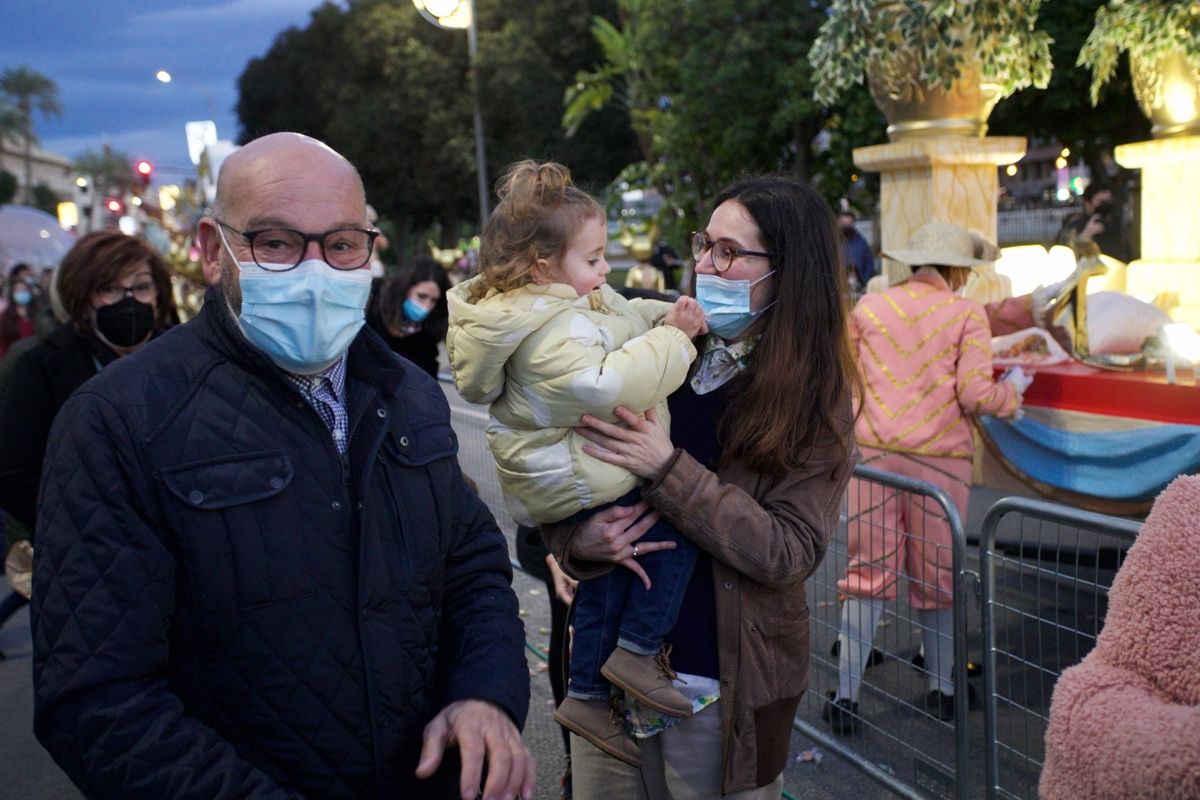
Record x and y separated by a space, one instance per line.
459 14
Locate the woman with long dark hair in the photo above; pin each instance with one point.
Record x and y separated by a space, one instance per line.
753 474
408 310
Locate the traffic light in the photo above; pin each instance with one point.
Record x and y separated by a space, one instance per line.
114 205
143 170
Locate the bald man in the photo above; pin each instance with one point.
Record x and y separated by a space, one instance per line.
259 571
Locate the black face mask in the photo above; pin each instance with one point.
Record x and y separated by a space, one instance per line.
125 323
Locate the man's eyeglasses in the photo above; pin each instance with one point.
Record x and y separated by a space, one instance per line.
723 252
281 249
143 292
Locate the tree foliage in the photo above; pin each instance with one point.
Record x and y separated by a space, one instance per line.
110 171
46 199
1063 111
25 91
717 89
390 91
8 186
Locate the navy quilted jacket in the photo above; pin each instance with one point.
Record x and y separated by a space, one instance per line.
225 607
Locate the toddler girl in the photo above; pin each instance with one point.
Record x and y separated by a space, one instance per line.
542 338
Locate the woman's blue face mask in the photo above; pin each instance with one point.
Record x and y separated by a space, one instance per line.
726 304
414 311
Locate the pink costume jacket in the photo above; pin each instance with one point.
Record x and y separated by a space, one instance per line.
1125 723
926 359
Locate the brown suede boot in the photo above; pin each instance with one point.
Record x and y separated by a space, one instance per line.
595 721
647 679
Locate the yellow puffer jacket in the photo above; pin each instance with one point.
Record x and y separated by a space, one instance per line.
542 358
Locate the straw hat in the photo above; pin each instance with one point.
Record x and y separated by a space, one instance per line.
943 244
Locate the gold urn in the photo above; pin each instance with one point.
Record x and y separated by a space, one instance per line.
1168 91
915 109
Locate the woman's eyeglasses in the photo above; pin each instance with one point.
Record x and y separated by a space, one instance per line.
723 252
143 292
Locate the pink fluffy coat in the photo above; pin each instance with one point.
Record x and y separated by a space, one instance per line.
1125 723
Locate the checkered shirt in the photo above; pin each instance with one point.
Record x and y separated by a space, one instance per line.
326 393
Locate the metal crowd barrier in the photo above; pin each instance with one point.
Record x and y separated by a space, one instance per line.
898 744
1045 573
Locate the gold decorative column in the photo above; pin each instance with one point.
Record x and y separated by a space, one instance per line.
1170 261
948 179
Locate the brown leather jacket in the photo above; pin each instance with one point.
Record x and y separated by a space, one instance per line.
766 534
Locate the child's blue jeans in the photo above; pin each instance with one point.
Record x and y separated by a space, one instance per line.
615 608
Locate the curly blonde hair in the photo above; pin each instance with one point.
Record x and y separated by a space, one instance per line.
540 209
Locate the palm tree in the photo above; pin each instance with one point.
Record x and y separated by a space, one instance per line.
108 170
28 90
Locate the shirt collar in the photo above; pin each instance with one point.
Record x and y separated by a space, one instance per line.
335 374
930 275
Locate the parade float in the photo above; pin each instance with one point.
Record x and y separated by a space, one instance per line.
1105 427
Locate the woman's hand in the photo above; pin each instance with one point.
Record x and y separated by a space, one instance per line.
613 534
641 446
564 584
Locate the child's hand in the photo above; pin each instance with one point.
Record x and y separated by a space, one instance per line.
687 315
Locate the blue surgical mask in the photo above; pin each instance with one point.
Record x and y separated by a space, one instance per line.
726 304
414 311
22 297
305 318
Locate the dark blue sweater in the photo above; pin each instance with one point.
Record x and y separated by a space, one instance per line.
694 422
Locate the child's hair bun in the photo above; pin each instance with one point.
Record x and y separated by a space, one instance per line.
532 189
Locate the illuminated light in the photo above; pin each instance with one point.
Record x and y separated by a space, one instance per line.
1030 266
1180 101
854 177
1060 163
144 168
163 76
68 214
1011 170
167 197
441 8
45 234
1183 339
81 183
1066 152
127 226
448 13
137 201
113 205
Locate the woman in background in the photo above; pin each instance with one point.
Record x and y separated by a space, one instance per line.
116 291
409 311
21 298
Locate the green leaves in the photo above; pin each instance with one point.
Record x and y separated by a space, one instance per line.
1001 33
1147 30
392 93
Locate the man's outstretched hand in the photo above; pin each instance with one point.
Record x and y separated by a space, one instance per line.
481 731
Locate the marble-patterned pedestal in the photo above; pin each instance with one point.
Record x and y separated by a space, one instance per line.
949 179
1170 261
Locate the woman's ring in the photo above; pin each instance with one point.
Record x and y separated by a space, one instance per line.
635 552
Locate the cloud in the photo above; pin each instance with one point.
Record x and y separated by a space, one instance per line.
223 13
